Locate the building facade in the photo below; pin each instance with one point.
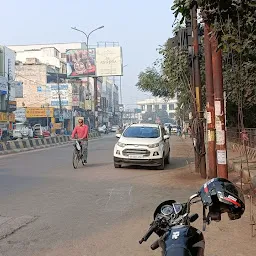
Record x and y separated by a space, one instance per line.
155 105
7 88
43 57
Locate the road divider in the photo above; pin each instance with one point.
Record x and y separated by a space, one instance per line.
17 146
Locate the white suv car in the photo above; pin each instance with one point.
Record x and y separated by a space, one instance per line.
142 144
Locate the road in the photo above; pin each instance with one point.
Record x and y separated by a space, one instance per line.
49 209
87 211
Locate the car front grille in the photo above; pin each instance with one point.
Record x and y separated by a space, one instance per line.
143 152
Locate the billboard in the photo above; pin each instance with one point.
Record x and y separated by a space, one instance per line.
109 61
3 85
20 114
63 90
78 94
80 64
18 89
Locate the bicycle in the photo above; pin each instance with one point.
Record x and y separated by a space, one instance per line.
77 154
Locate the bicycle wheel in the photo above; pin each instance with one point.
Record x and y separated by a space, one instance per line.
75 159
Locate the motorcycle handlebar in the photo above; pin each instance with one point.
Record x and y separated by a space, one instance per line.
149 233
155 245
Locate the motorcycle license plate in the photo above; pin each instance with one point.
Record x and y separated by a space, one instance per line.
135 156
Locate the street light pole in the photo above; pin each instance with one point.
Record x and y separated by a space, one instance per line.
121 96
87 50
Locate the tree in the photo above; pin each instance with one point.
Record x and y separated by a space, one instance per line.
171 80
151 80
233 22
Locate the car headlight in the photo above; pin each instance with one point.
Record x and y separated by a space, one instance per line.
120 144
154 145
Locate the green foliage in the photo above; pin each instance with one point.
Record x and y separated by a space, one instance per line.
152 81
234 22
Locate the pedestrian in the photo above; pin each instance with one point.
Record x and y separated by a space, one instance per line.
81 133
170 129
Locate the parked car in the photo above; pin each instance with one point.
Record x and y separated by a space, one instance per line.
22 131
142 144
40 131
103 129
45 133
114 128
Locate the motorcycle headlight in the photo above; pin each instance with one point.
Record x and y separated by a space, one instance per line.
120 144
154 145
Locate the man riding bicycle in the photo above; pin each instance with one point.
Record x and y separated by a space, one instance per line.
81 133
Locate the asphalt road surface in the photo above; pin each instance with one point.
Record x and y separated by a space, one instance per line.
47 208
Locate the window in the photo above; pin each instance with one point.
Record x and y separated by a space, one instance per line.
156 107
171 106
56 53
149 108
63 55
164 107
142 107
142 132
172 115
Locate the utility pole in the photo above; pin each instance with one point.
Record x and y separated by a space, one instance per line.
95 103
60 103
198 91
212 165
220 123
8 94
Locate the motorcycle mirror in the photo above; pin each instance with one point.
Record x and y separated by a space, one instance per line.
193 217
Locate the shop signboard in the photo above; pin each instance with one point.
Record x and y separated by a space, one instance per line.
38 112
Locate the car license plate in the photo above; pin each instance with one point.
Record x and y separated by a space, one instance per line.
135 156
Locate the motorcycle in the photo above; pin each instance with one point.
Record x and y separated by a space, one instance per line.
172 220
172 224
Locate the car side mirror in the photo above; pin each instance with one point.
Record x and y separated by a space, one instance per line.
118 136
166 137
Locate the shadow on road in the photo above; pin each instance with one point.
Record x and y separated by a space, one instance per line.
175 163
179 162
97 164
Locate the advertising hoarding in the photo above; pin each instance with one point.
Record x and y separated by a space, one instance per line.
18 89
63 90
12 106
109 61
78 94
9 62
3 85
20 114
80 64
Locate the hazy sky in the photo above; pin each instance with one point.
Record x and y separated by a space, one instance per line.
139 26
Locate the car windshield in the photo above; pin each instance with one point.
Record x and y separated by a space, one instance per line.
142 132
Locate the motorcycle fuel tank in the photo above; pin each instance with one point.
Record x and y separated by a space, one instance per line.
183 241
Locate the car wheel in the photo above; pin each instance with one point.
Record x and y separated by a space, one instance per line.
167 159
161 167
117 165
